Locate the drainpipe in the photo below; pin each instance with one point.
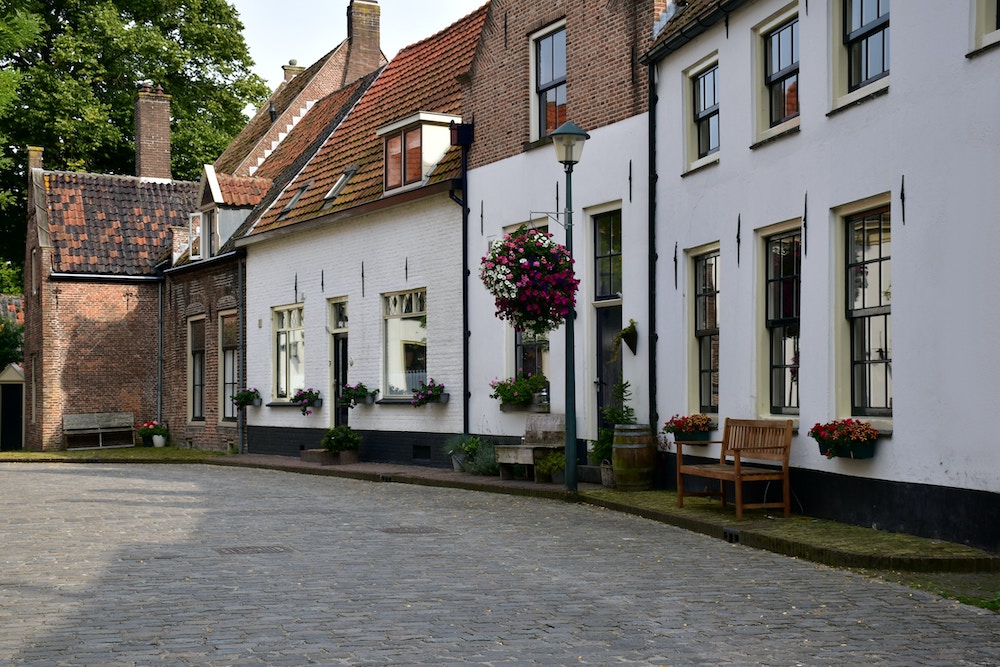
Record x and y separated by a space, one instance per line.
462 135
159 353
240 350
651 259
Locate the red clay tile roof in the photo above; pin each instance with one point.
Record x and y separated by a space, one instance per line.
242 191
692 18
12 308
113 225
422 77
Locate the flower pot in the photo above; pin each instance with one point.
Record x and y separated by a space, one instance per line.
849 450
347 457
458 463
607 475
514 407
159 441
442 398
369 399
693 436
147 440
257 402
558 476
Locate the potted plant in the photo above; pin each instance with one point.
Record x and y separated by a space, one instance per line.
358 394
531 279
849 438
462 450
431 392
307 398
245 397
551 466
343 442
155 432
690 428
631 337
522 390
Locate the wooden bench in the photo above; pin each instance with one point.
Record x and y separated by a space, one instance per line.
742 439
117 426
543 433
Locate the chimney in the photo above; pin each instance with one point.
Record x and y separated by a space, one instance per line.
364 49
34 162
291 69
152 132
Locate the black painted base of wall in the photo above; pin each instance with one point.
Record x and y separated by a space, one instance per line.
937 512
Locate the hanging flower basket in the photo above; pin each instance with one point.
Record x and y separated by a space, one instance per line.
531 279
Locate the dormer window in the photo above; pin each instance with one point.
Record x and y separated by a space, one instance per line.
403 159
413 147
194 235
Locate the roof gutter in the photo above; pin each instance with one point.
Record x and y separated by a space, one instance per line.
104 278
441 187
690 27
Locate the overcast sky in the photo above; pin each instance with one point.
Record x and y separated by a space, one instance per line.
277 31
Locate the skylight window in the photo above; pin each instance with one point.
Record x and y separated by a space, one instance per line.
341 182
294 200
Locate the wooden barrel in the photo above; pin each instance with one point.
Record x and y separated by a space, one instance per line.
633 457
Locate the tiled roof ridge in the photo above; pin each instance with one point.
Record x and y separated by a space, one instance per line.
130 177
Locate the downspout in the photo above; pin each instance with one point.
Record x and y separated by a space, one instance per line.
240 350
159 353
462 135
651 259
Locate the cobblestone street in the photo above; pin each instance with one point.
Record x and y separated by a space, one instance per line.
115 565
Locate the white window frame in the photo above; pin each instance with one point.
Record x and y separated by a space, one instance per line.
193 416
228 414
395 349
195 243
762 108
284 388
534 108
692 161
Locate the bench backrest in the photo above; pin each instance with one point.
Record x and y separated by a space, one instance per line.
98 420
545 429
765 439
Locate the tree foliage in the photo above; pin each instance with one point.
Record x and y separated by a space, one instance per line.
70 69
11 341
11 278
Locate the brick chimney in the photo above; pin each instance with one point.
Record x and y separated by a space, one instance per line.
365 50
34 162
152 132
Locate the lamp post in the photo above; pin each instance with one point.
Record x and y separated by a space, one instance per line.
568 141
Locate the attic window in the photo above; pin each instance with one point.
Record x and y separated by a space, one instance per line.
294 200
194 235
403 158
341 182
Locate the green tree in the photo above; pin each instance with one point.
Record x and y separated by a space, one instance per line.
11 341
11 278
70 72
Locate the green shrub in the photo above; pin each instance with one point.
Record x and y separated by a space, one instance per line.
341 439
484 460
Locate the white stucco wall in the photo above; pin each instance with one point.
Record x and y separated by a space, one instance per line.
938 127
413 246
523 188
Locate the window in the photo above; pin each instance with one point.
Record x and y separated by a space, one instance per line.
866 36
194 235
403 158
196 345
782 296
869 292
706 329
781 72
987 24
531 353
341 182
229 339
608 255
550 81
706 110
289 349
293 201
405 316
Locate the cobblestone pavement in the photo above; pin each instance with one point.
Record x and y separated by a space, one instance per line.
114 565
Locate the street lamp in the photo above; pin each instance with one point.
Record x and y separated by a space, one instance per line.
568 141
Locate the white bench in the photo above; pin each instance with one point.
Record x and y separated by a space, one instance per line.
113 429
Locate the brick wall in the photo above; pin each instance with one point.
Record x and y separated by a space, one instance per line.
603 42
204 292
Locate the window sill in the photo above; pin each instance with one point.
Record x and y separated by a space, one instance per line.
770 416
777 132
702 163
860 96
989 42
537 143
